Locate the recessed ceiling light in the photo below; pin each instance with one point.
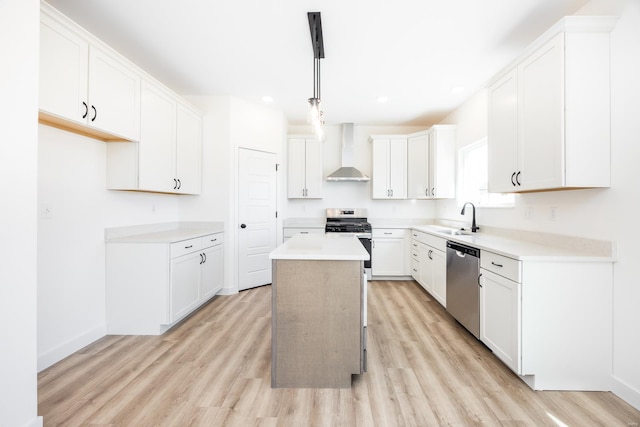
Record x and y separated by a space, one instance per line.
382 99
457 89
267 99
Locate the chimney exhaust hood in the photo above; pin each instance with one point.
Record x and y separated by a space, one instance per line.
347 172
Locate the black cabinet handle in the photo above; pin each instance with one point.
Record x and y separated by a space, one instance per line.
205 258
513 175
496 264
179 183
243 225
518 178
95 113
86 110
479 276
175 184
201 259
433 192
426 192
430 253
188 247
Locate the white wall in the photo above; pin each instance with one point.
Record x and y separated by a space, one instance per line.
230 123
353 194
19 20
607 214
71 281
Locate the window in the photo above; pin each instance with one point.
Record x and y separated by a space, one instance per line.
473 178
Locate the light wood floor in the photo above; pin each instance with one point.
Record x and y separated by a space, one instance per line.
214 370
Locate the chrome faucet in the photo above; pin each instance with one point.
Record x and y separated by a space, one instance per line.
474 227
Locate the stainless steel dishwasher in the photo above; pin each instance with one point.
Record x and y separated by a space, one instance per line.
463 290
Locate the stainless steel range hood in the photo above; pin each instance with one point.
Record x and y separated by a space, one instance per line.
347 172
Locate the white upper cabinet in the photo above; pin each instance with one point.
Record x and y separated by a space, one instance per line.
188 149
157 140
389 167
418 165
83 87
431 163
304 168
168 157
549 116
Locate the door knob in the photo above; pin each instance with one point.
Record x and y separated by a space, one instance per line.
243 225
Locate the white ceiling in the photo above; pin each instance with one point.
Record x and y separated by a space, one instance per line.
413 51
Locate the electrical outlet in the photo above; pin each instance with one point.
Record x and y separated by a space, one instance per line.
46 211
528 212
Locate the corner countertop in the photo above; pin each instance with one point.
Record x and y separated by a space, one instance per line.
162 232
531 246
331 246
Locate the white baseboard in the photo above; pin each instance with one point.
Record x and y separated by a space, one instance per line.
36 422
68 348
228 291
625 392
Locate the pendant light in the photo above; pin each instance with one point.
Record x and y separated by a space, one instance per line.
316 115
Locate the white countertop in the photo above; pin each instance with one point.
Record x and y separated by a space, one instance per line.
572 249
162 233
330 246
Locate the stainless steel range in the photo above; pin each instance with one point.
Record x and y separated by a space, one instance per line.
354 221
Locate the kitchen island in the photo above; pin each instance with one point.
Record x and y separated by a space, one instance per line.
318 311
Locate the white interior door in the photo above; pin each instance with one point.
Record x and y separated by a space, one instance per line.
256 217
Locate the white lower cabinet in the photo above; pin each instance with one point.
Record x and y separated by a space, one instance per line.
500 317
550 321
153 285
389 252
429 264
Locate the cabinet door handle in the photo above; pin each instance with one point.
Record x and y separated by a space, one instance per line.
392 192
95 113
175 183
496 264
205 258
433 192
179 183
430 253
518 178
415 246
513 175
188 247
86 110
415 255
426 192
479 276
415 270
201 259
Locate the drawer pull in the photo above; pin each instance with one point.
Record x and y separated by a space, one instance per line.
188 247
304 232
415 255
415 270
415 245
386 232
496 264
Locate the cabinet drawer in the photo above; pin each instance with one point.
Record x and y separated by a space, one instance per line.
211 240
185 246
501 265
389 233
429 239
415 268
415 245
290 232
